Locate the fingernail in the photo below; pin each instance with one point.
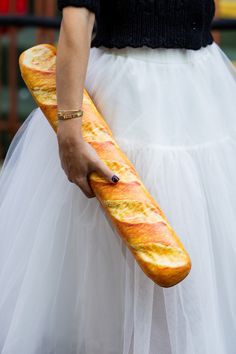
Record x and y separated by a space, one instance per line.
115 178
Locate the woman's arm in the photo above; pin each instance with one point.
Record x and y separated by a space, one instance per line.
72 55
78 158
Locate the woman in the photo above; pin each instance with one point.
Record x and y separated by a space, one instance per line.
168 92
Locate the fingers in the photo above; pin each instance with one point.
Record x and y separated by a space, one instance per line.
106 172
83 183
82 180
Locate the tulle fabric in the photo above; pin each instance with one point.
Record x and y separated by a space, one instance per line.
68 283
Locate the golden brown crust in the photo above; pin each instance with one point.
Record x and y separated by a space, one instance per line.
128 205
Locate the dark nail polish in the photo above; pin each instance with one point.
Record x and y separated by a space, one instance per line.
115 178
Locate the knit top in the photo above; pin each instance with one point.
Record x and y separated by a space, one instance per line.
153 23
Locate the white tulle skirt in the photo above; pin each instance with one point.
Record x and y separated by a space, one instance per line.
68 284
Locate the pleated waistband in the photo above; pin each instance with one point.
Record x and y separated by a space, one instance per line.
160 55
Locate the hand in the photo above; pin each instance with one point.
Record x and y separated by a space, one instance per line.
79 158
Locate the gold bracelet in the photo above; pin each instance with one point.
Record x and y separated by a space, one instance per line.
69 114
68 110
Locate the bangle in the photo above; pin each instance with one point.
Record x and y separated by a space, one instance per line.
64 114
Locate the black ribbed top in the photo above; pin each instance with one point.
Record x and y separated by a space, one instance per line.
154 23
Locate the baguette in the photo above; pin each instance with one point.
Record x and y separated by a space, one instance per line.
128 205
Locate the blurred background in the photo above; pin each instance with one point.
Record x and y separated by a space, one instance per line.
24 23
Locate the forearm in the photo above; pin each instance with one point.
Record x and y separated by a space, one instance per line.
72 58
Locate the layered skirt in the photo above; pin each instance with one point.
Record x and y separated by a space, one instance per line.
68 284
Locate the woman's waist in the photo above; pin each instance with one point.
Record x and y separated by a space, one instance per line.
159 55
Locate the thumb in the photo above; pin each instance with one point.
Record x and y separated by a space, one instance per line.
106 172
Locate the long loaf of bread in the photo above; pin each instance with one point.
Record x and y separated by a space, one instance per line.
128 205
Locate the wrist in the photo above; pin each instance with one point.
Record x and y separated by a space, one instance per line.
70 127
